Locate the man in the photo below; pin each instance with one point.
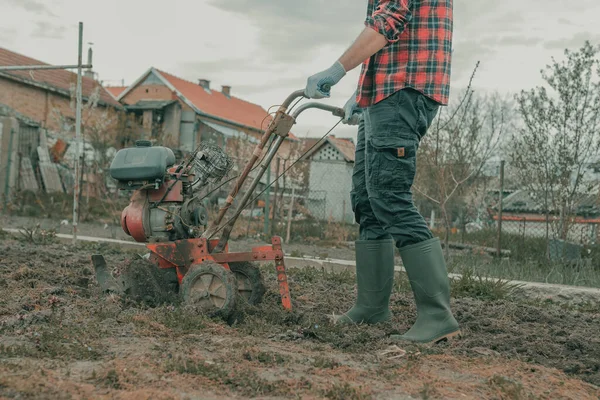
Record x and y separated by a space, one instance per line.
405 52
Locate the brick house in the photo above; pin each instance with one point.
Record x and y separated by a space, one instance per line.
181 114
40 104
44 94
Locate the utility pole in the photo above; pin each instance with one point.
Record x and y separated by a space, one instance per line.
500 198
78 135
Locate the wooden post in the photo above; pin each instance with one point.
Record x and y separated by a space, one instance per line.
500 198
289 221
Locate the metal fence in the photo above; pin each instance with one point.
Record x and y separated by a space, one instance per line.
491 213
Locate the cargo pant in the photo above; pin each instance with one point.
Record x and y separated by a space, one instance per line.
385 166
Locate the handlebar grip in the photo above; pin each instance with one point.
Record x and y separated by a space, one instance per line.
325 88
339 112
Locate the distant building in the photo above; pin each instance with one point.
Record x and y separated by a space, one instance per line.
330 179
184 113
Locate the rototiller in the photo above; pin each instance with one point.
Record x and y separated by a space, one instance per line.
167 212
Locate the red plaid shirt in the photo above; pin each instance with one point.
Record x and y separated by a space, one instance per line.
418 53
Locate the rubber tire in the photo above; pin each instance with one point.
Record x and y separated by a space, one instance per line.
226 276
252 272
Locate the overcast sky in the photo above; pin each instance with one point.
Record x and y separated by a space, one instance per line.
265 49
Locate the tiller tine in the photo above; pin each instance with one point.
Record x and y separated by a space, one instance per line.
105 280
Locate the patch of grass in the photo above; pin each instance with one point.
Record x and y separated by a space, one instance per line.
509 388
110 380
478 287
296 253
243 381
345 392
313 275
428 391
582 274
264 357
325 363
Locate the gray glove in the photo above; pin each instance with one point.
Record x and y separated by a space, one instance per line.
319 85
353 113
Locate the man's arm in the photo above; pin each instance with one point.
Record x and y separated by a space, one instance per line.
384 26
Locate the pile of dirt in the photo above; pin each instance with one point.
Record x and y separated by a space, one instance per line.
59 330
143 283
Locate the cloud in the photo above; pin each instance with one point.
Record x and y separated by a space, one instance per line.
33 6
293 30
575 42
47 30
225 66
7 35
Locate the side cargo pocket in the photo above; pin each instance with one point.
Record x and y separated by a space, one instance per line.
394 161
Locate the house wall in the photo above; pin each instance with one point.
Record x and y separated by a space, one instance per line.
148 92
330 183
43 106
171 125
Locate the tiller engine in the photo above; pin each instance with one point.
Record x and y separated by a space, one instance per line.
166 212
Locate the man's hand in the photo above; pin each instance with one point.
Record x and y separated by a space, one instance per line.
353 114
318 86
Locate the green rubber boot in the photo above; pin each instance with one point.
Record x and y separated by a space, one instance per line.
374 281
426 270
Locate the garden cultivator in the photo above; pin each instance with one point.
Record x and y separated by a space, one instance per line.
167 213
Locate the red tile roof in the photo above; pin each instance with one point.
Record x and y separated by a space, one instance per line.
58 79
217 104
116 90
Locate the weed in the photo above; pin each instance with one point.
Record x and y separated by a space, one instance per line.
476 286
38 236
264 357
510 388
344 392
325 363
401 283
428 391
110 380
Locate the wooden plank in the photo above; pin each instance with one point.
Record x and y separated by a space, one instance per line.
49 172
27 179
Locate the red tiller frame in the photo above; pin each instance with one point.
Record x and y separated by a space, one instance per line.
182 254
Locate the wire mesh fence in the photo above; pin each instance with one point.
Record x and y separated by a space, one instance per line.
491 212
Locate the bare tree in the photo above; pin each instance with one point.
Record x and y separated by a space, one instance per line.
560 134
461 140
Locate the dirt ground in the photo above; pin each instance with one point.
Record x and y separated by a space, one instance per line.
61 338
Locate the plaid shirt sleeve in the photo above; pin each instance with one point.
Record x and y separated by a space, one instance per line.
389 18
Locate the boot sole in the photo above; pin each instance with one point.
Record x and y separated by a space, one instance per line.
449 337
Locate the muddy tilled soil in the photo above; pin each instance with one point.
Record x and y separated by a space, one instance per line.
61 338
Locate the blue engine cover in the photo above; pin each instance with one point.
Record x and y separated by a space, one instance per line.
141 163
